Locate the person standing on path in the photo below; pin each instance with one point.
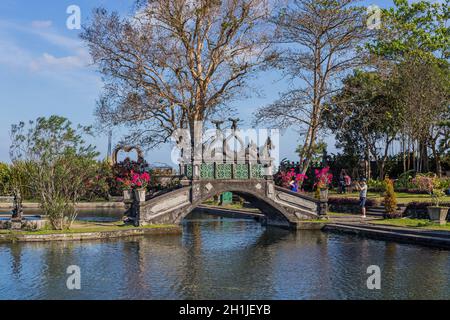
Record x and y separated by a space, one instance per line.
362 188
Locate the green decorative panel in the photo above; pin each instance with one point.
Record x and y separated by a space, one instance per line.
241 171
188 171
224 171
207 171
257 171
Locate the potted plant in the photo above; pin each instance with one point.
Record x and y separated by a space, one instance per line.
323 181
140 183
433 186
126 188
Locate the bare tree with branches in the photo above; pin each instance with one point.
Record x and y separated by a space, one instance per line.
176 62
318 41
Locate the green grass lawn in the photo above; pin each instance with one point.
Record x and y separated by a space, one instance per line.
413 223
401 196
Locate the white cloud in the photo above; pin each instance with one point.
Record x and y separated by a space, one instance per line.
48 61
72 54
41 24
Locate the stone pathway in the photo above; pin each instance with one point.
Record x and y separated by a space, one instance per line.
356 225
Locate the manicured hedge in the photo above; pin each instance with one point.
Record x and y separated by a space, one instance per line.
351 201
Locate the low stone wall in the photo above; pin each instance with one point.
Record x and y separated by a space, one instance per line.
101 235
26 225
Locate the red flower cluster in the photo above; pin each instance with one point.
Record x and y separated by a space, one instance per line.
134 180
140 180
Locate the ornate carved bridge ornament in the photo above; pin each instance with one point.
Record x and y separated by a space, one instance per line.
228 158
127 149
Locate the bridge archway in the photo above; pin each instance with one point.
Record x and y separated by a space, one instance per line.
271 211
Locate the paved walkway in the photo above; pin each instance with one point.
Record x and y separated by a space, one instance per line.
354 224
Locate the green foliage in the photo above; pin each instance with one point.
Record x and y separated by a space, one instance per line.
99 185
58 164
364 112
390 200
5 179
376 184
414 29
317 152
404 181
20 179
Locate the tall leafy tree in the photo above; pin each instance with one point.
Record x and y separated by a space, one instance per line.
414 28
415 38
366 116
318 41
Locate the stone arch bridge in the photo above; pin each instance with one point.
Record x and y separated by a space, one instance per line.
280 206
226 164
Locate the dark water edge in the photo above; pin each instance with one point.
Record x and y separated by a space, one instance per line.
218 258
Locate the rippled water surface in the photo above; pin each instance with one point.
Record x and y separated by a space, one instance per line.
225 259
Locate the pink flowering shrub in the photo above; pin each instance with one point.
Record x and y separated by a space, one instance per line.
323 178
424 183
284 178
432 185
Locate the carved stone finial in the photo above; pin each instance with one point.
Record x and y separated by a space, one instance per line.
217 123
234 123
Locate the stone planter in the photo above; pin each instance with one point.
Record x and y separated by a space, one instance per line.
323 194
126 195
438 214
140 194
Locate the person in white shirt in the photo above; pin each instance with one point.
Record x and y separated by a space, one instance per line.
362 188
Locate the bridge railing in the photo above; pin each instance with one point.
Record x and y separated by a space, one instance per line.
227 171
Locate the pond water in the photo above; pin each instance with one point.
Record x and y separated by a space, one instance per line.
218 258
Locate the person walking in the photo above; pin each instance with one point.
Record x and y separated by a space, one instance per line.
362 188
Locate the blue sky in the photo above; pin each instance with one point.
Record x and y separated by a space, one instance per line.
44 70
